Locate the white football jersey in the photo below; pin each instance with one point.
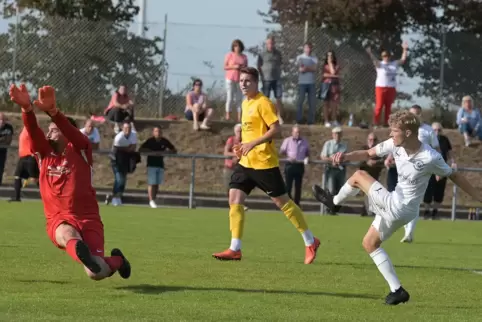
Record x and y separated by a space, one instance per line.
427 135
414 172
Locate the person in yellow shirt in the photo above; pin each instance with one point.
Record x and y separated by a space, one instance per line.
259 167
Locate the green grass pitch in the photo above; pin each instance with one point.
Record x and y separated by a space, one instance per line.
174 277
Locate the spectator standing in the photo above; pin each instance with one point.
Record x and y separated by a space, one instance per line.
330 89
297 150
90 131
469 120
155 163
307 66
436 187
229 152
197 109
373 167
427 136
386 83
335 176
120 108
233 62
269 65
6 135
124 145
27 166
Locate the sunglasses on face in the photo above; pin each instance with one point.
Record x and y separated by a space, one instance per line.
197 84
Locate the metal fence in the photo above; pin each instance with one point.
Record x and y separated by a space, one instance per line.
188 163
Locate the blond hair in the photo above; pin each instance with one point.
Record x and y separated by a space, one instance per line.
405 121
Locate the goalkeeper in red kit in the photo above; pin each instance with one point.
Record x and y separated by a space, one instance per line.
65 161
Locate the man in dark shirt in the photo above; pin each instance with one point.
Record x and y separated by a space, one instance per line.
155 164
6 134
436 187
374 166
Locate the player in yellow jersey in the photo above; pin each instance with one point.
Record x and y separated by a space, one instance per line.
259 167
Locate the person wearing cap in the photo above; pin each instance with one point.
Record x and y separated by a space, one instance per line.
335 176
297 149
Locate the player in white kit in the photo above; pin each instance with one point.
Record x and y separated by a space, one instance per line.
415 162
426 135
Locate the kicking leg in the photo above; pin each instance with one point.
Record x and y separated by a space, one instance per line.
360 180
380 230
293 212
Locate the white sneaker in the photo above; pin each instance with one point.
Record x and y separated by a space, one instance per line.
114 201
152 204
407 239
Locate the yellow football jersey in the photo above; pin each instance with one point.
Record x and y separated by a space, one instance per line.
258 114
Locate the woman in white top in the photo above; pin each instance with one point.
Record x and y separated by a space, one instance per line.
386 83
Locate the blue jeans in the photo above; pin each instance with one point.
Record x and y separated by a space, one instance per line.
466 128
120 179
303 90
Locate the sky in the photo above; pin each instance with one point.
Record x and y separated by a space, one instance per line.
202 31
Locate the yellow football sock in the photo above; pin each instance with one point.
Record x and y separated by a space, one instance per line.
236 221
295 215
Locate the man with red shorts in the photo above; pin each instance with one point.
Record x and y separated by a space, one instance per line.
65 161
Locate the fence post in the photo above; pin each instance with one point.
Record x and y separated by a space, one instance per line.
163 85
323 184
454 202
192 205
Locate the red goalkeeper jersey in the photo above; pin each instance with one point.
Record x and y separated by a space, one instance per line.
65 179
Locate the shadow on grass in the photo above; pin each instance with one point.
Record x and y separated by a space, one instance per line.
159 289
42 281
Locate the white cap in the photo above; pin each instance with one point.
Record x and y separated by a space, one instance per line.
336 130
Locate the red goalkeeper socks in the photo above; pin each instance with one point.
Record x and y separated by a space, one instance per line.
114 262
70 249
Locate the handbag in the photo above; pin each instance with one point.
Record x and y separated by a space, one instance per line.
324 90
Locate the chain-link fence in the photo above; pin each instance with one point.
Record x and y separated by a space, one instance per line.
192 53
85 61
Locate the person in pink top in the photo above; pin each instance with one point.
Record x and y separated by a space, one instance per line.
121 108
197 109
233 62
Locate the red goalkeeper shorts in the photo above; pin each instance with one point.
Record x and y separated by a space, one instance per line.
91 229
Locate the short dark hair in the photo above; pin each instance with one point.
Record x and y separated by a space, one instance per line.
250 71
197 80
309 44
238 43
417 107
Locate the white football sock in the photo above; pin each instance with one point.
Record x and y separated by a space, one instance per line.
308 237
235 244
384 264
345 192
410 227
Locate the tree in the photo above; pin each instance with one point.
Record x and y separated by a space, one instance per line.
84 59
381 24
94 10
